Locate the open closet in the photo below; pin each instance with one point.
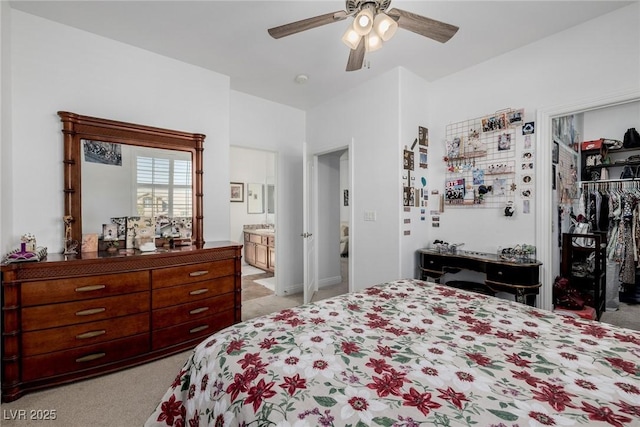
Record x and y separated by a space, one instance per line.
596 193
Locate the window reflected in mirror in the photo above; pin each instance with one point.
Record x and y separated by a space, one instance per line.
122 180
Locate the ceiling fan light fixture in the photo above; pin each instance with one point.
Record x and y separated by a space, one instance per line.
385 26
351 38
372 42
364 21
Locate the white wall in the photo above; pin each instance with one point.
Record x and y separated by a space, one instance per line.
369 115
5 121
345 211
414 112
611 122
575 64
328 221
260 124
56 67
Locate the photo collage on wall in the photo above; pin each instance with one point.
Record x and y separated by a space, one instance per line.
483 169
414 174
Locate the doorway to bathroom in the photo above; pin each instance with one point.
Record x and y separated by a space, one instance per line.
253 218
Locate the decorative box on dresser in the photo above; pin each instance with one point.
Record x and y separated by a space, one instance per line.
79 316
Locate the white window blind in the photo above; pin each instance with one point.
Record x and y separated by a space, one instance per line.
163 187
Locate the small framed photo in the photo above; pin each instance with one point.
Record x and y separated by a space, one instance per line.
495 122
515 117
109 232
555 153
237 192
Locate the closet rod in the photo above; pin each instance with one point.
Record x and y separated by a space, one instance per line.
609 180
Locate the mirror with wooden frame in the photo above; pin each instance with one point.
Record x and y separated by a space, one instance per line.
95 151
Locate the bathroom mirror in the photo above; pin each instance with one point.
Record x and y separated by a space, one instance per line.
271 198
255 198
79 188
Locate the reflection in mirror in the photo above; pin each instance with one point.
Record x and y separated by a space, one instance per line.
115 150
255 198
125 180
271 198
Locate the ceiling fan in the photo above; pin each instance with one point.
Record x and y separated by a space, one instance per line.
372 25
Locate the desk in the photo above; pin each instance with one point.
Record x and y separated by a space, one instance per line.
521 279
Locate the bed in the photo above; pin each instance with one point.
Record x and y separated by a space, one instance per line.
409 353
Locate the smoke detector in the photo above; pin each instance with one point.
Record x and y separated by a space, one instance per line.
301 79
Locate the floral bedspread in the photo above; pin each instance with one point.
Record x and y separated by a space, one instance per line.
409 353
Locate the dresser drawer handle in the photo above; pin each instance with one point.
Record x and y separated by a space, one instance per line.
199 310
90 288
198 273
199 291
90 311
499 273
198 329
91 334
90 357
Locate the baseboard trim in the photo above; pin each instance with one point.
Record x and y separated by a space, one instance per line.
329 281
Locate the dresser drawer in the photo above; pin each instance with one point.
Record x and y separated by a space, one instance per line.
77 359
173 276
170 316
63 290
176 295
71 313
191 330
56 339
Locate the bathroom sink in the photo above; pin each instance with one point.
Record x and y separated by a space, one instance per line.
264 230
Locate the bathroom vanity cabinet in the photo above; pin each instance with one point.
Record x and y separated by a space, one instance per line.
259 249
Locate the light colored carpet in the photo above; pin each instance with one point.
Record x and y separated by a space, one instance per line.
269 283
249 270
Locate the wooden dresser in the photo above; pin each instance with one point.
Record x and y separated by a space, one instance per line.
90 314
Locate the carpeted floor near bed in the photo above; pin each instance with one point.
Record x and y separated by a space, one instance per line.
127 398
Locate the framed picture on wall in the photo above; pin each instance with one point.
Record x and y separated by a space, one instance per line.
237 192
555 153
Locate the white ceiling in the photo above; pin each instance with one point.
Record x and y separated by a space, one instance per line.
230 37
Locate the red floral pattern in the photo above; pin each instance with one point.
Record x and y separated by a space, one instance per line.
405 354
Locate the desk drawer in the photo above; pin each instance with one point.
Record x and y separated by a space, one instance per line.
72 313
191 330
173 276
513 274
431 263
50 340
176 295
176 314
62 362
64 290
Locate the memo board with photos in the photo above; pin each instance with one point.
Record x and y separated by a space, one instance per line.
481 163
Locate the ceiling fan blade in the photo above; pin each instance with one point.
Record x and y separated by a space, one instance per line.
306 24
356 57
426 27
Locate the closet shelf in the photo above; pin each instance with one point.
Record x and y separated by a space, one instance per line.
612 165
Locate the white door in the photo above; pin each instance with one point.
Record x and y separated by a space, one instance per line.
309 224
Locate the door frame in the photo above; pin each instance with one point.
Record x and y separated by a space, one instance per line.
545 235
311 203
